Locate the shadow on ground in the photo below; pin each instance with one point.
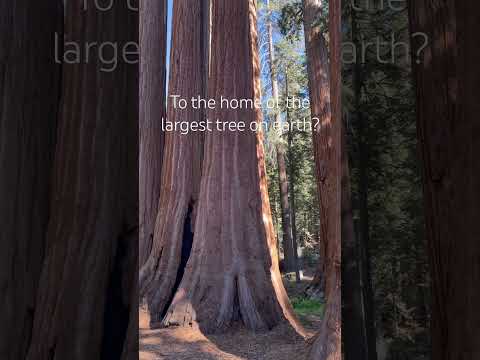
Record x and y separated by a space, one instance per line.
281 343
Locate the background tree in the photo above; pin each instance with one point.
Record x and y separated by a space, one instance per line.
386 187
447 78
29 89
290 251
293 83
87 291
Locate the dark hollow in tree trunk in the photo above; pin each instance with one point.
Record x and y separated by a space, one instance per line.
117 313
187 243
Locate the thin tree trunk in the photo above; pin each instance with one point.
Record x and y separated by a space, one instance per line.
364 231
84 304
233 275
291 174
353 320
288 249
447 77
325 98
29 98
182 166
153 43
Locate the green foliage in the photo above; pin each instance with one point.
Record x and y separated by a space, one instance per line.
379 106
291 74
307 306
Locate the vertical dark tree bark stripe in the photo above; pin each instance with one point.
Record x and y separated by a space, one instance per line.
29 97
447 77
86 291
353 319
153 48
363 150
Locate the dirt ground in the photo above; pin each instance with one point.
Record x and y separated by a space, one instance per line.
282 343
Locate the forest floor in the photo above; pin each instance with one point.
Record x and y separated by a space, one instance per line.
282 343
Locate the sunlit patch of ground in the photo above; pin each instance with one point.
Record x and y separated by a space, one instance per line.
282 343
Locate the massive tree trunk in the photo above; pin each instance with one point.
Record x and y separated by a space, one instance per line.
325 98
353 319
84 303
233 274
29 97
447 77
182 167
153 43
288 250
320 102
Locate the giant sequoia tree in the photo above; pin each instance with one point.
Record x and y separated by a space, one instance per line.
86 295
325 92
321 108
29 93
153 43
447 78
182 166
232 274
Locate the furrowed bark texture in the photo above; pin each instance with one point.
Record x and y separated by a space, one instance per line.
182 165
447 77
86 290
232 275
325 92
29 96
320 103
153 43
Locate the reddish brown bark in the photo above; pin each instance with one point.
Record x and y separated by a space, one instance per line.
447 77
320 101
29 97
153 43
325 92
232 275
182 166
84 304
